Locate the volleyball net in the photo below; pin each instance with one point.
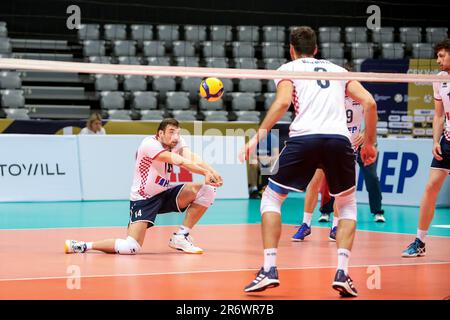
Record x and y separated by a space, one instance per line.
404 99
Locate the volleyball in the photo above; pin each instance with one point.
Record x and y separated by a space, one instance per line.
211 89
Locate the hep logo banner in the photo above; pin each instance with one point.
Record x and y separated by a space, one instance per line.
401 164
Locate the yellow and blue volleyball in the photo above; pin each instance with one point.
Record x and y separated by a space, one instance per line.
211 89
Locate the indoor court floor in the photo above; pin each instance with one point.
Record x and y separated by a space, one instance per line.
33 264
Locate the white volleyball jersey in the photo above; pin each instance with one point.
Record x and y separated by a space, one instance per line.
442 93
152 176
355 115
319 104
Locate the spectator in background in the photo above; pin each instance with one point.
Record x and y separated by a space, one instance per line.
94 125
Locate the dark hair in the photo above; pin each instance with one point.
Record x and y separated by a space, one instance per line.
168 122
303 39
443 45
349 66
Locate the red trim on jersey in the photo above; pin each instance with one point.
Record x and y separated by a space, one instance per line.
284 80
437 99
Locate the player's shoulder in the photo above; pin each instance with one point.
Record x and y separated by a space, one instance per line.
333 66
151 142
443 73
287 66
348 99
308 63
349 102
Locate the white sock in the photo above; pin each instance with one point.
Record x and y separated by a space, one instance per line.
422 234
88 246
307 216
343 258
183 230
270 258
335 221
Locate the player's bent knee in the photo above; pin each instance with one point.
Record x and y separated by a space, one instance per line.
271 201
346 206
128 246
205 196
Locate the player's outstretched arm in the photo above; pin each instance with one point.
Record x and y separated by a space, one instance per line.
188 154
178 160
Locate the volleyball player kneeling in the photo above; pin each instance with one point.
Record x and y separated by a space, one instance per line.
152 194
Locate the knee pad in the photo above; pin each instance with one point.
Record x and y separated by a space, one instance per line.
271 201
205 196
346 206
128 246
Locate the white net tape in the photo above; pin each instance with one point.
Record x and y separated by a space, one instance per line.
82 67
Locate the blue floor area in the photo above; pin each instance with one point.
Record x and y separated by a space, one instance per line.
32 215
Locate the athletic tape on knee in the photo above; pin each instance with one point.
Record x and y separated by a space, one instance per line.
128 246
271 201
205 196
346 206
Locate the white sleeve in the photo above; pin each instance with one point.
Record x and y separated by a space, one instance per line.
84 131
284 67
151 147
436 94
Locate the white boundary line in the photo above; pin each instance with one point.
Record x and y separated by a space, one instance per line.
207 225
216 271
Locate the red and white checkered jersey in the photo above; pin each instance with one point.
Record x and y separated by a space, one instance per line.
152 176
319 104
442 93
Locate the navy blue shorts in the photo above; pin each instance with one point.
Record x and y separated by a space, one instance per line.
301 157
147 209
445 162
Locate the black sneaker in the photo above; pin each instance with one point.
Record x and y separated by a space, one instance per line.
344 284
254 194
264 280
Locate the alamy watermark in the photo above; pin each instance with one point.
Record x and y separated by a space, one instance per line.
374 280
216 150
73 281
74 20
373 22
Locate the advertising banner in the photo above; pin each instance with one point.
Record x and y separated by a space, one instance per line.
39 168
